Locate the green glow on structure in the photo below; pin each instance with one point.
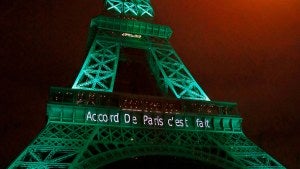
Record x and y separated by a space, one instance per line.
72 140
141 8
100 67
90 126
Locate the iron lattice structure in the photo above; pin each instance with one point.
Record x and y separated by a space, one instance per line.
69 140
90 126
141 8
110 34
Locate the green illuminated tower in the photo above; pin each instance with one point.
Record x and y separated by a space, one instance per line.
93 125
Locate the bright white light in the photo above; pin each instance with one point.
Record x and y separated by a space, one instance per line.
131 35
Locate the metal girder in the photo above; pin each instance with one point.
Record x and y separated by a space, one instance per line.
69 145
69 140
114 5
73 97
131 26
172 75
99 69
140 8
121 143
55 147
245 151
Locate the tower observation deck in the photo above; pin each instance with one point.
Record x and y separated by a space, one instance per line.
134 98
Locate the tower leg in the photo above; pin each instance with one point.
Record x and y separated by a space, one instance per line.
98 72
172 74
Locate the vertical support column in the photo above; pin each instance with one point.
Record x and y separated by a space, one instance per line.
99 70
172 74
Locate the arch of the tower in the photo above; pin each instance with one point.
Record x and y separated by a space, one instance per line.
112 144
116 155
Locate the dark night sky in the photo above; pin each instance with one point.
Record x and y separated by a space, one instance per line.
244 51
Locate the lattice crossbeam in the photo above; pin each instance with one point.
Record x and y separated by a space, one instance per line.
99 70
140 8
131 26
145 9
130 8
107 144
115 5
45 157
244 150
128 142
175 75
55 147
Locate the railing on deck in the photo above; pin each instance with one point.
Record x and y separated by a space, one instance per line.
141 103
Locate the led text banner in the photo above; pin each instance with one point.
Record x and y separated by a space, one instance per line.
113 109
108 116
148 120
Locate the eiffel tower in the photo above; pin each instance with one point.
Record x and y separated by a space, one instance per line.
92 125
